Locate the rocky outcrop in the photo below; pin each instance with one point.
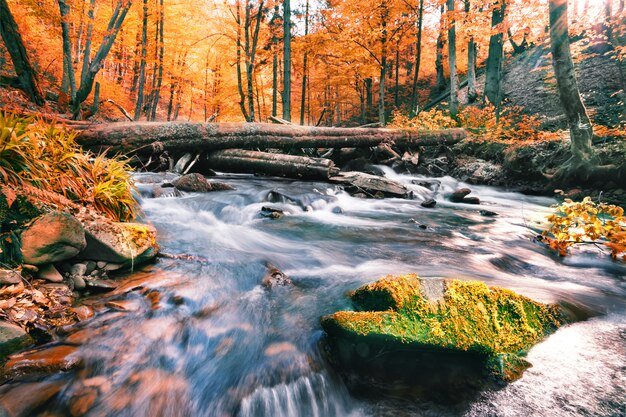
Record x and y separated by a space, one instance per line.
53 237
435 333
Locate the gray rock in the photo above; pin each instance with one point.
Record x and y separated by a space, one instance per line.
371 183
50 273
430 203
54 237
79 269
10 277
197 183
79 282
12 338
459 194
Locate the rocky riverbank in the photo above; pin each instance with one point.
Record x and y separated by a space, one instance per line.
59 258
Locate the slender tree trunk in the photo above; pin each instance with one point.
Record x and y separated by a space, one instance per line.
242 96
155 63
26 73
304 66
287 60
133 85
87 51
369 97
157 92
79 33
440 83
396 98
64 10
418 59
383 63
142 66
113 28
472 94
454 82
493 77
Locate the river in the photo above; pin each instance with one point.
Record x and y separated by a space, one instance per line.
200 336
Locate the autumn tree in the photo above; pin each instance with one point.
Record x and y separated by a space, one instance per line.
26 74
454 82
287 60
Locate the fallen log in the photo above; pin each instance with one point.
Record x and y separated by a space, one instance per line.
147 138
254 162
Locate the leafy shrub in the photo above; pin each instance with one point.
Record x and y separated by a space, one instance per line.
42 162
587 222
427 120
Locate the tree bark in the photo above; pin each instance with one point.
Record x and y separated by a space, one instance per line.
493 77
418 60
25 71
287 60
472 93
581 130
115 23
68 66
383 64
583 166
254 162
304 66
157 92
454 82
144 137
142 66
440 83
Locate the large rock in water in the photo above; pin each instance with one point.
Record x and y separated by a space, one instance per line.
439 335
197 183
54 237
128 244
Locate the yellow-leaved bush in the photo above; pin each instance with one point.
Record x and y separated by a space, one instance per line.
587 222
42 162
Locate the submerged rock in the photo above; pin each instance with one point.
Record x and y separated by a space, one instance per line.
198 183
436 333
54 237
376 186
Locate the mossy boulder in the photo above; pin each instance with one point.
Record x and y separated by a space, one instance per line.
448 330
126 244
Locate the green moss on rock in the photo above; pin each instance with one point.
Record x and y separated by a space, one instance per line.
448 315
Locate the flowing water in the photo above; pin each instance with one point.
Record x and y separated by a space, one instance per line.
200 335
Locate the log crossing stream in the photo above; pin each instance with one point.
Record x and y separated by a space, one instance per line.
198 335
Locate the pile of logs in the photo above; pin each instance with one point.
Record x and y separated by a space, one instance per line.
242 147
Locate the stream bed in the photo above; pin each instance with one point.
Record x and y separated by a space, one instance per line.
198 335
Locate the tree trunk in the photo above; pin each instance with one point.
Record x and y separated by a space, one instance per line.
493 77
383 64
369 97
23 68
454 82
86 85
581 130
304 66
472 94
87 51
142 66
582 167
418 59
144 138
396 97
157 92
64 10
440 83
254 162
287 60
